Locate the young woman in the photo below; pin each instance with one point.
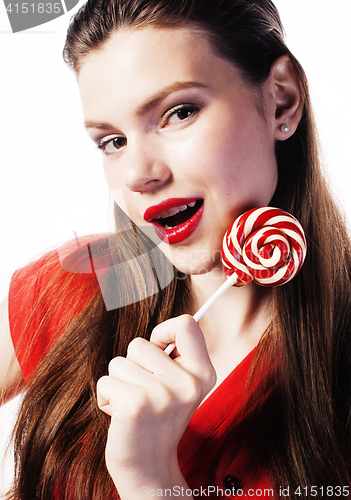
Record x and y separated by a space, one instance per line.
201 112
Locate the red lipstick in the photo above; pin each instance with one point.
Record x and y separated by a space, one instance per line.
182 231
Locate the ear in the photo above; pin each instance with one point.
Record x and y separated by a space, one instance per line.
287 93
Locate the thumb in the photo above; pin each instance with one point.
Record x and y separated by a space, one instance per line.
188 338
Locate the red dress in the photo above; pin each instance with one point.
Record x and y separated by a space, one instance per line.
199 451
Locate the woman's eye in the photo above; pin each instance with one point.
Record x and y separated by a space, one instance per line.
180 113
112 145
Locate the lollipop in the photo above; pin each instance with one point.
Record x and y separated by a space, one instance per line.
265 245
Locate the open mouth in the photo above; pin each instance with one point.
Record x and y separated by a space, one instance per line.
175 219
184 213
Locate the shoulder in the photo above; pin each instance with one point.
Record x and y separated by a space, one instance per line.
46 295
56 276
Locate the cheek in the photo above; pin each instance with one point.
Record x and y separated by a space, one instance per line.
240 155
122 197
113 176
118 191
207 153
220 154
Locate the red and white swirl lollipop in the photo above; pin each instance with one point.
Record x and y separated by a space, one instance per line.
265 245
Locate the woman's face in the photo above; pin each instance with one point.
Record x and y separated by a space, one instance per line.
181 137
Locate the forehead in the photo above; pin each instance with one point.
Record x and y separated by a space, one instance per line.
137 50
136 63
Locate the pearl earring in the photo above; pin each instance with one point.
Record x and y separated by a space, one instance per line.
285 129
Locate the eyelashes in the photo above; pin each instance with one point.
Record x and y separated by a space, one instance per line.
182 112
179 114
108 144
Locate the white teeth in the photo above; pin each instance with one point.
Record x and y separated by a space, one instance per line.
168 227
164 214
173 211
170 212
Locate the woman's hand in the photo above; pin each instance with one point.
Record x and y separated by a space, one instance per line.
151 399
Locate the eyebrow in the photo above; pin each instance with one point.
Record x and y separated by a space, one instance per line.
155 100
97 125
150 103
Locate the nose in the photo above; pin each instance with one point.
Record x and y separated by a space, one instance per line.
146 168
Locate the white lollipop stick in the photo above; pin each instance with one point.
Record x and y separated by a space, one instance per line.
169 349
198 315
227 284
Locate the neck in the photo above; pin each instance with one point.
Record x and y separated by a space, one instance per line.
234 324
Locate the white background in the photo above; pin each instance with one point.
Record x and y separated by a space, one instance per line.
51 179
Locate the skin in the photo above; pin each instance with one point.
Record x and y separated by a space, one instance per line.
222 151
214 154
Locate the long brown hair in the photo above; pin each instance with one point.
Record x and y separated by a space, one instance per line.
60 435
